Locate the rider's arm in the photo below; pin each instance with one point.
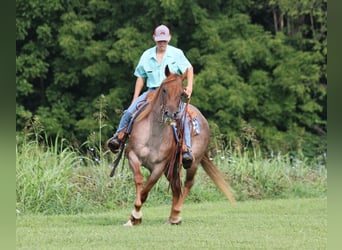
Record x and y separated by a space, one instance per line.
139 84
190 78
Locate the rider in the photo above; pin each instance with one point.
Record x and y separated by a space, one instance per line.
151 68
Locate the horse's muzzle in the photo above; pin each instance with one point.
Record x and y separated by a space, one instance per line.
168 116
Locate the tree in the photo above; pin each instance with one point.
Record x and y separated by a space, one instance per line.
250 70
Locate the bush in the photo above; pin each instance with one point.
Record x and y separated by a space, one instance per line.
53 178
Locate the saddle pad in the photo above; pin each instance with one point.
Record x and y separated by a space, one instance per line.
194 121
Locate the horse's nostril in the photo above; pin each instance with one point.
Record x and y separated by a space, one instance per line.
171 115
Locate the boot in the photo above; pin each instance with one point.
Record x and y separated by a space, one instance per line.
186 157
115 142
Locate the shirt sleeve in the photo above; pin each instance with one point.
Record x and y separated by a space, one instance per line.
140 69
182 62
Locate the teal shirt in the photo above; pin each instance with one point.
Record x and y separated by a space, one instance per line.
149 68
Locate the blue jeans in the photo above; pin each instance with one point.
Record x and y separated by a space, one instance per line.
186 125
125 119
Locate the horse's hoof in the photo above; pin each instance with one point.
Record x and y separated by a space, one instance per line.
128 223
175 222
134 220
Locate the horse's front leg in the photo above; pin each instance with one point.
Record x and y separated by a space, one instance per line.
178 200
136 215
142 192
156 173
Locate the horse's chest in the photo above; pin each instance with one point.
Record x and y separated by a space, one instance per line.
144 152
151 145
152 153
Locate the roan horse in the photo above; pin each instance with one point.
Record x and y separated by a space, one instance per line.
152 143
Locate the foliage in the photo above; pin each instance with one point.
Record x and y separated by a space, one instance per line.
259 62
54 178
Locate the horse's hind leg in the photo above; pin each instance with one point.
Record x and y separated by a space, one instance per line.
178 200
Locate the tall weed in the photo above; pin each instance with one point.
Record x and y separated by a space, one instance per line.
256 176
54 178
43 174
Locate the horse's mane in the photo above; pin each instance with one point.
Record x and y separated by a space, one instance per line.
153 101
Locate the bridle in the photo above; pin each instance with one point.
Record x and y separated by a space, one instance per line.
165 116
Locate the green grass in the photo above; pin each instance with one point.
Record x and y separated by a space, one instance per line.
266 224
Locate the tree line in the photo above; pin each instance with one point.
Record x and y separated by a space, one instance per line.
260 66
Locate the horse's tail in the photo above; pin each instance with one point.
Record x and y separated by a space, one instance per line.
217 178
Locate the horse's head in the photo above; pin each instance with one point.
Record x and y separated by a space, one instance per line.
167 99
171 93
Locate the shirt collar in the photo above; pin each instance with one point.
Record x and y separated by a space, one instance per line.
153 53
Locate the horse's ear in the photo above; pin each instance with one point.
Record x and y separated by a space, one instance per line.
167 71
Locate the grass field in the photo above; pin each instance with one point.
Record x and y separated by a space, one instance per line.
263 224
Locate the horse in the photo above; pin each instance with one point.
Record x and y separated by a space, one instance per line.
153 144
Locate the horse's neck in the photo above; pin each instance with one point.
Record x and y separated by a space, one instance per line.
157 128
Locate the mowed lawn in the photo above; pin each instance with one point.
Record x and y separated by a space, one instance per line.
266 224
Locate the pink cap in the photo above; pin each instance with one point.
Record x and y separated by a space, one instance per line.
162 33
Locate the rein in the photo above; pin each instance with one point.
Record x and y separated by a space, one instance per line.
123 144
175 163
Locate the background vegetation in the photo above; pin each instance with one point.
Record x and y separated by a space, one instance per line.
260 80
54 178
260 65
